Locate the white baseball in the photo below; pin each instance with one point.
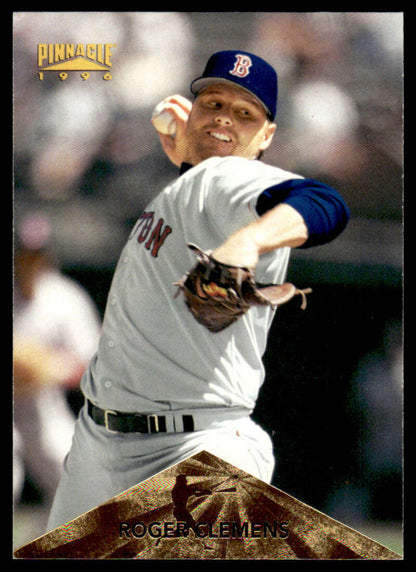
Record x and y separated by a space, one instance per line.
162 120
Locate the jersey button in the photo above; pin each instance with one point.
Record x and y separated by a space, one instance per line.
107 384
111 344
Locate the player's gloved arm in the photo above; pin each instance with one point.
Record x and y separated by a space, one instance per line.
173 144
280 226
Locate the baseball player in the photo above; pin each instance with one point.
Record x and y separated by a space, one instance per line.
162 385
56 328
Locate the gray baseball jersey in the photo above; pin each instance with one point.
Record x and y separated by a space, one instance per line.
153 356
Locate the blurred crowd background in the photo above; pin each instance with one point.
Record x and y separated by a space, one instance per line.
86 163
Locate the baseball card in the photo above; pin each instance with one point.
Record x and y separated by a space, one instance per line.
207 285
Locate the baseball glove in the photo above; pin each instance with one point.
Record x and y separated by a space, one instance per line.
218 294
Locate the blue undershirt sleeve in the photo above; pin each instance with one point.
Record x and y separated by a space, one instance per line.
323 209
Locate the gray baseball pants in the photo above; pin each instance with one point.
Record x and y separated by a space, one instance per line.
102 464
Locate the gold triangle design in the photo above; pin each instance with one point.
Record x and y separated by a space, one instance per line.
76 64
204 508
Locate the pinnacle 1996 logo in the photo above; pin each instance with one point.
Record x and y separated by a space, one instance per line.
83 58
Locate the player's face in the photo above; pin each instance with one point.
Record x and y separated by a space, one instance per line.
226 120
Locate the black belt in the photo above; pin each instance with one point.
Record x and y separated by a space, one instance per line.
117 422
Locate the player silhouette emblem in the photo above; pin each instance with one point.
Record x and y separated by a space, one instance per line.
181 493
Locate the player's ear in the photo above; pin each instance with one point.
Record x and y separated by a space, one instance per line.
268 136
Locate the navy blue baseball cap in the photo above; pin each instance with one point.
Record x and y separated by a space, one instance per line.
244 69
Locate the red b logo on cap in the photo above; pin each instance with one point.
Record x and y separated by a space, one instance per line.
241 66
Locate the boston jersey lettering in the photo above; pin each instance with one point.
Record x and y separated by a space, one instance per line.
151 232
